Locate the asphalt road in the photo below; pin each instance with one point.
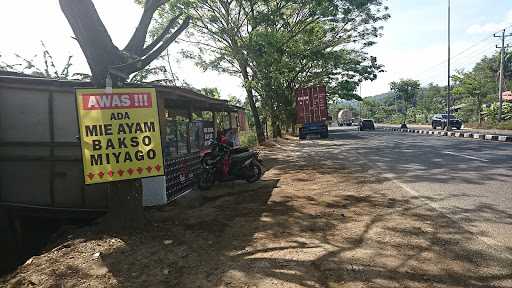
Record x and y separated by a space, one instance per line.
468 180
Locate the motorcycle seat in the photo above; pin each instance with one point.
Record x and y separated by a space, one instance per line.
239 150
242 156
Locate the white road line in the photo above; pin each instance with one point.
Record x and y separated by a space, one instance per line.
465 156
487 240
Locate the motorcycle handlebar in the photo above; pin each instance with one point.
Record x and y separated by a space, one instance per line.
215 142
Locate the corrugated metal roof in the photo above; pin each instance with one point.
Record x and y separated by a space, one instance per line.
25 81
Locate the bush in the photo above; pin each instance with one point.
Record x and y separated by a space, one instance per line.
491 113
248 139
396 119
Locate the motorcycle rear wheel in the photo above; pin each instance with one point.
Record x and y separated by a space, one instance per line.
254 172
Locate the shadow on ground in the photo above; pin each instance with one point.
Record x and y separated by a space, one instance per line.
313 222
420 158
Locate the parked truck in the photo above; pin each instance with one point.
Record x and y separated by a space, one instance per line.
345 118
311 107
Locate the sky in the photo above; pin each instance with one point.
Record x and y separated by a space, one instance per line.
414 42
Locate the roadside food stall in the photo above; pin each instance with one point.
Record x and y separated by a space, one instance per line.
40 156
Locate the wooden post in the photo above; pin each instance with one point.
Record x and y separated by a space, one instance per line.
189 130
214 119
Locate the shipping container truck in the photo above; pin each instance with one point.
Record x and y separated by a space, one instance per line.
345 118
312 116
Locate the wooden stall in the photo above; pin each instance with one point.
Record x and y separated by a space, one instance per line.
40 157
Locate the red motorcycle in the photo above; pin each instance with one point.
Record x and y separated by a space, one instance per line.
224 163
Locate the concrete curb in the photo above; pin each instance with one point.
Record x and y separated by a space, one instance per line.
505 138
469 135
491 137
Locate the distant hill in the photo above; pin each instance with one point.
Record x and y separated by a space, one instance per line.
381 97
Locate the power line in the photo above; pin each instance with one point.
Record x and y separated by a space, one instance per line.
469 59
473 56
457 55
460 53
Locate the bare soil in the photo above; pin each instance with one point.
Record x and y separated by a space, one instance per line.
315 220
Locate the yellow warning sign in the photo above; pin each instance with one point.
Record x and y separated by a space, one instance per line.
120 134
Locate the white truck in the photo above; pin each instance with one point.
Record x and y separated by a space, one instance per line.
345 118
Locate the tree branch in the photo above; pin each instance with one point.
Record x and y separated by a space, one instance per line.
134 66
161 36
138 39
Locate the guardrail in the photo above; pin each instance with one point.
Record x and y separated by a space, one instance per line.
457 134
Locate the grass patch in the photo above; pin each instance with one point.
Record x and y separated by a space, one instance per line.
248 139
506 125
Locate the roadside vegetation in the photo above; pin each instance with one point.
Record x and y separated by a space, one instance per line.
475 99
274 47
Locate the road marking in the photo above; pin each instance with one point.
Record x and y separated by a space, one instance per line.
466 156
487 240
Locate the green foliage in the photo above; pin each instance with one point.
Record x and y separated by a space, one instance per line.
431 100
279 45
470 90
373 109
491 113
248 139
406 91
477 87
284 60
233 100
389 107
212 92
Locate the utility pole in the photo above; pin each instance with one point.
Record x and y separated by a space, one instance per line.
502 68
449 96
361 104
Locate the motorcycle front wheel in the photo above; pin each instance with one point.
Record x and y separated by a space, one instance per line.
206 179
254 172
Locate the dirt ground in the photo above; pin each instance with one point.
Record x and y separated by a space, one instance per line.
315 220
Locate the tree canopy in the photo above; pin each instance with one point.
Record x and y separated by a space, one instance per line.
277 46
406 90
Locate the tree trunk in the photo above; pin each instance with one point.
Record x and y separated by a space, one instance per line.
126 210
266 127
250 97
93 38
479 109
125 203
274 128
104 58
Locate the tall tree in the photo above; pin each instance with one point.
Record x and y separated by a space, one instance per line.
406 90
472 88
258 41
431 100
106 59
